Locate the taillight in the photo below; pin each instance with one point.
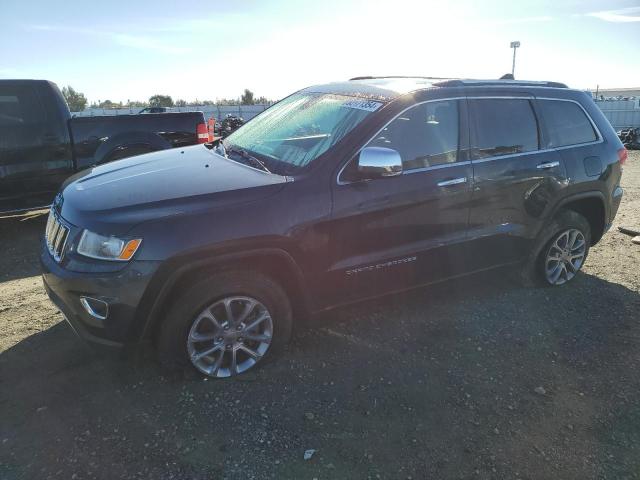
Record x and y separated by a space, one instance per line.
622 155
202 133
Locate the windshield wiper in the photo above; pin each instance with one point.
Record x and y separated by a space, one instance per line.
250 159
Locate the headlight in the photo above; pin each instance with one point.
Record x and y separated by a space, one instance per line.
100 247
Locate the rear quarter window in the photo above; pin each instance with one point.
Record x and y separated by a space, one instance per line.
566 123
502 126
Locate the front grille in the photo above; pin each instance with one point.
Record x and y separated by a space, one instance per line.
55 236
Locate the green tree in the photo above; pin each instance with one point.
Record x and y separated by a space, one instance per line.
247 97
161 101
136 104
181 103
109 104
263 101
76 100
227 101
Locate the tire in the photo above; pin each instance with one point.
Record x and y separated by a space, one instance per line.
540 264
199 321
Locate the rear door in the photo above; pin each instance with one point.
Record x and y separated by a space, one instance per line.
515 178
392 233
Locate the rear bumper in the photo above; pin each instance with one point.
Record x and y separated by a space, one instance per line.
121 290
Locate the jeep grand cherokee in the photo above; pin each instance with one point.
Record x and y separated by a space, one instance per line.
337 193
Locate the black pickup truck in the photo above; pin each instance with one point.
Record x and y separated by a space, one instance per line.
41 144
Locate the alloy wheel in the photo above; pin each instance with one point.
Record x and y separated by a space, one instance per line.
230 336
565 256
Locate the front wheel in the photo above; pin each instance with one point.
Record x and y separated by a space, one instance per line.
226 325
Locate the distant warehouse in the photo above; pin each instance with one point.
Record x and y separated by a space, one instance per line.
620 105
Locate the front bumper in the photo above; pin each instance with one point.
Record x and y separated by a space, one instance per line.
122 290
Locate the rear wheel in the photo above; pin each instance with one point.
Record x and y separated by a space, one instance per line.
561 252
226 325
564 256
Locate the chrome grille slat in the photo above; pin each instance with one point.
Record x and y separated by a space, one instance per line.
62 234
49 228
56 234
49 236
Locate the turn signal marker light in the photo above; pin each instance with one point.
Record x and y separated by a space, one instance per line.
129 249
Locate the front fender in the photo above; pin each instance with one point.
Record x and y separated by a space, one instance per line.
177 272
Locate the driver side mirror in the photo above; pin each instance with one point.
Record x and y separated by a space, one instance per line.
378 162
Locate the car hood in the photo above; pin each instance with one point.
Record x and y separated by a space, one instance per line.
119 195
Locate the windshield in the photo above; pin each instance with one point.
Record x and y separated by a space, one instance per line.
294 132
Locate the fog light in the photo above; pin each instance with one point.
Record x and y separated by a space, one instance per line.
96 308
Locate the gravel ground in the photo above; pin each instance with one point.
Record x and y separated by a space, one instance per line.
476 378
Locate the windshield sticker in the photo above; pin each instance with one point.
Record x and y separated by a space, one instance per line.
368 105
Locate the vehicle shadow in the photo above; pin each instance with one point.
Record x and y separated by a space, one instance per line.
589 308
589 316
444 359
20 238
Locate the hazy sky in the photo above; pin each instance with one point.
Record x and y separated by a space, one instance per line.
121 50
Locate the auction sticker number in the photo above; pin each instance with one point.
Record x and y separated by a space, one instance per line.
368 105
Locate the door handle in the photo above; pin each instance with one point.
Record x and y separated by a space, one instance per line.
453 181
544 166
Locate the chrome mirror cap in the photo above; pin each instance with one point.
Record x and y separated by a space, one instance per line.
376 162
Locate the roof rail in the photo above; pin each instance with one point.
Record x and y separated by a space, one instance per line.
459 82
490 83
371 77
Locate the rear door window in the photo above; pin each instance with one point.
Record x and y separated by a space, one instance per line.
502 126
19 105
566 123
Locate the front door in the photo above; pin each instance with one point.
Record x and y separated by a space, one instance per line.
391 233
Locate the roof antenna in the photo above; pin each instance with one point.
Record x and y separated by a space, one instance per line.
507 76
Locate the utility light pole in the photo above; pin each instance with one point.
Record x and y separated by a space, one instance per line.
514 45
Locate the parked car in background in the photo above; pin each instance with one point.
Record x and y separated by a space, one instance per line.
41 145
154 110
338 193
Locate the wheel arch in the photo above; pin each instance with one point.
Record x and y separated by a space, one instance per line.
590 205
174 278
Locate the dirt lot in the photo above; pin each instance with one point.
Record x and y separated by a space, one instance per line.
439 383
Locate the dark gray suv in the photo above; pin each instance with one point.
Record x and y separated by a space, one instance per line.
337 193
